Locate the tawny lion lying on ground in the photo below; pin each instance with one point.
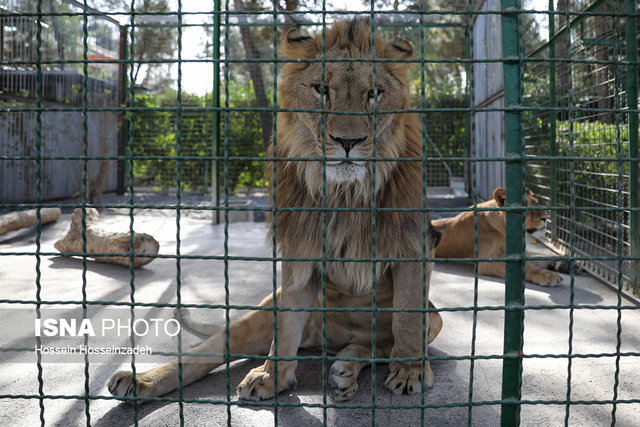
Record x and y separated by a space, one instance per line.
457 238
346 140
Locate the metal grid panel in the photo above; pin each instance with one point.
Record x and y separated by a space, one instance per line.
522 129
590 129
61 81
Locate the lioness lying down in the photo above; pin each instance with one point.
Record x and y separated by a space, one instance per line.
347 140
457 238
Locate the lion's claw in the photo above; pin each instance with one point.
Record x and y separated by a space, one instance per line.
121 385
547 278
406 377
343 380
259 383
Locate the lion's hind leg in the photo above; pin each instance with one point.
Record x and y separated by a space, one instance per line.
195 327
344 373
163 379
251 334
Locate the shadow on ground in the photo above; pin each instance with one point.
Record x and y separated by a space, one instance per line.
591 328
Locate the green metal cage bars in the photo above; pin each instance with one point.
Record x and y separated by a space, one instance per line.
547 132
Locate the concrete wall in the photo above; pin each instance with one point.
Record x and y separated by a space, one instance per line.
61 136
488 93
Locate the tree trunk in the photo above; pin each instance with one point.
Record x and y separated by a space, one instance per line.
255 71
602 70
562 52
95 193
99 241
97 187
17 220
55 21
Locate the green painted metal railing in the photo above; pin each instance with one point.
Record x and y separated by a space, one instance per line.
516 158
601 43
515 245
632 104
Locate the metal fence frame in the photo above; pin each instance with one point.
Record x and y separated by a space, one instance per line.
597 241
514 109
61 82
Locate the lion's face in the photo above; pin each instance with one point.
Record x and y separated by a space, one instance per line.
348 89
535 220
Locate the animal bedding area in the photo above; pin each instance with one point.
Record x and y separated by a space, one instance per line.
547 331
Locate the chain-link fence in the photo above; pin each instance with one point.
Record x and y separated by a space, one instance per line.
590 126
60 50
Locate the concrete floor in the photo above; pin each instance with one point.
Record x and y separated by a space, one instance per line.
546 332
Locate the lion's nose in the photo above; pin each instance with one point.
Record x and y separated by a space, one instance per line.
348 142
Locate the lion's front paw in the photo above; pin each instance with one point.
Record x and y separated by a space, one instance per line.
343 379
547 278
259 383
121 385
405 377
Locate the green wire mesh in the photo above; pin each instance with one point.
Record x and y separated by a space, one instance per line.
569 109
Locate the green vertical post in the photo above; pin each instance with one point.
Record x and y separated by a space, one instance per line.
553 149
469 101
632 103
215 103
122 121
514 281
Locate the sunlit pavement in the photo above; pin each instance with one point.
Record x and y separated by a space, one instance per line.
547 333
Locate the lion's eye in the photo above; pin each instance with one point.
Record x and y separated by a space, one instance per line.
372 93
317 90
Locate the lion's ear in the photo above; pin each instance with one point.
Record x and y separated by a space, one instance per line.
402 49
528 192
500 196
436 236
298 46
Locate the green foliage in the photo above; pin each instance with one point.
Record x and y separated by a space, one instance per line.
595 182
156 136
585 140
447 130
243 138
594 139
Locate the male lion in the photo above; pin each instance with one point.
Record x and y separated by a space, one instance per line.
457 238
346 218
